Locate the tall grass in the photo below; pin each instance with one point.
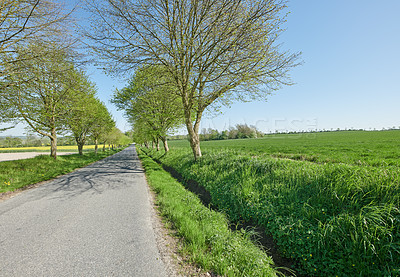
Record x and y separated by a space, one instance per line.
333 218
208 240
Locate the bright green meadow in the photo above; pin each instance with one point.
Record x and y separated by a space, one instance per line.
330 200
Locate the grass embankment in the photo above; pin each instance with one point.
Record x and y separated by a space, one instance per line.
208 241
66 148
21 173
335 216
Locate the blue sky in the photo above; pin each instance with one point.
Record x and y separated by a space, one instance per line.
350 75
349 78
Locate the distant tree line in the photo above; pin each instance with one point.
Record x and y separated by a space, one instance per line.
240 131
277 132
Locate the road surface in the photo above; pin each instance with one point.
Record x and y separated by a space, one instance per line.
93 222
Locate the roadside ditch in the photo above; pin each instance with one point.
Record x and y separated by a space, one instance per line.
258 233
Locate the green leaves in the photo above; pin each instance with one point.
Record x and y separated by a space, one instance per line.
151 103
215 52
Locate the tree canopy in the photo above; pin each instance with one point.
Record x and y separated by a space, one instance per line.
41 83
85 111
214 51
151 102
23 23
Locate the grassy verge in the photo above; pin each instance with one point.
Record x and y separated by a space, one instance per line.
333 219
21 173
208 241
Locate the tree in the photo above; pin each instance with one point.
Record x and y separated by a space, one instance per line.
115 137
21 23
215 51
32 141
245 131
102 124
150 100
42 102
24 21
6 112
13 142
82 106
141 134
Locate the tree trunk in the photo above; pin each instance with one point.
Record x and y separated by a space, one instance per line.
165 142
80 142
80 149
158 144
195 144
146 144
194 133
104 147
53 144
96 146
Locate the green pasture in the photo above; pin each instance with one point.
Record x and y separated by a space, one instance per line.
374 148
330 200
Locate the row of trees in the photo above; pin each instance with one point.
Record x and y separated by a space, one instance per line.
41 82
150 105
189 56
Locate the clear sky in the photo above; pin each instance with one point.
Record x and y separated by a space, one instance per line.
351 71
350 77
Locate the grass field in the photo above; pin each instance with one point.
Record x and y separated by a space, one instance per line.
69 148
20 173
375 148
330 200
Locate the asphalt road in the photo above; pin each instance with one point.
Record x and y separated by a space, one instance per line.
93 222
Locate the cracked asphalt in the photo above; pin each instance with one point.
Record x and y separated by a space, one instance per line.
95 221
